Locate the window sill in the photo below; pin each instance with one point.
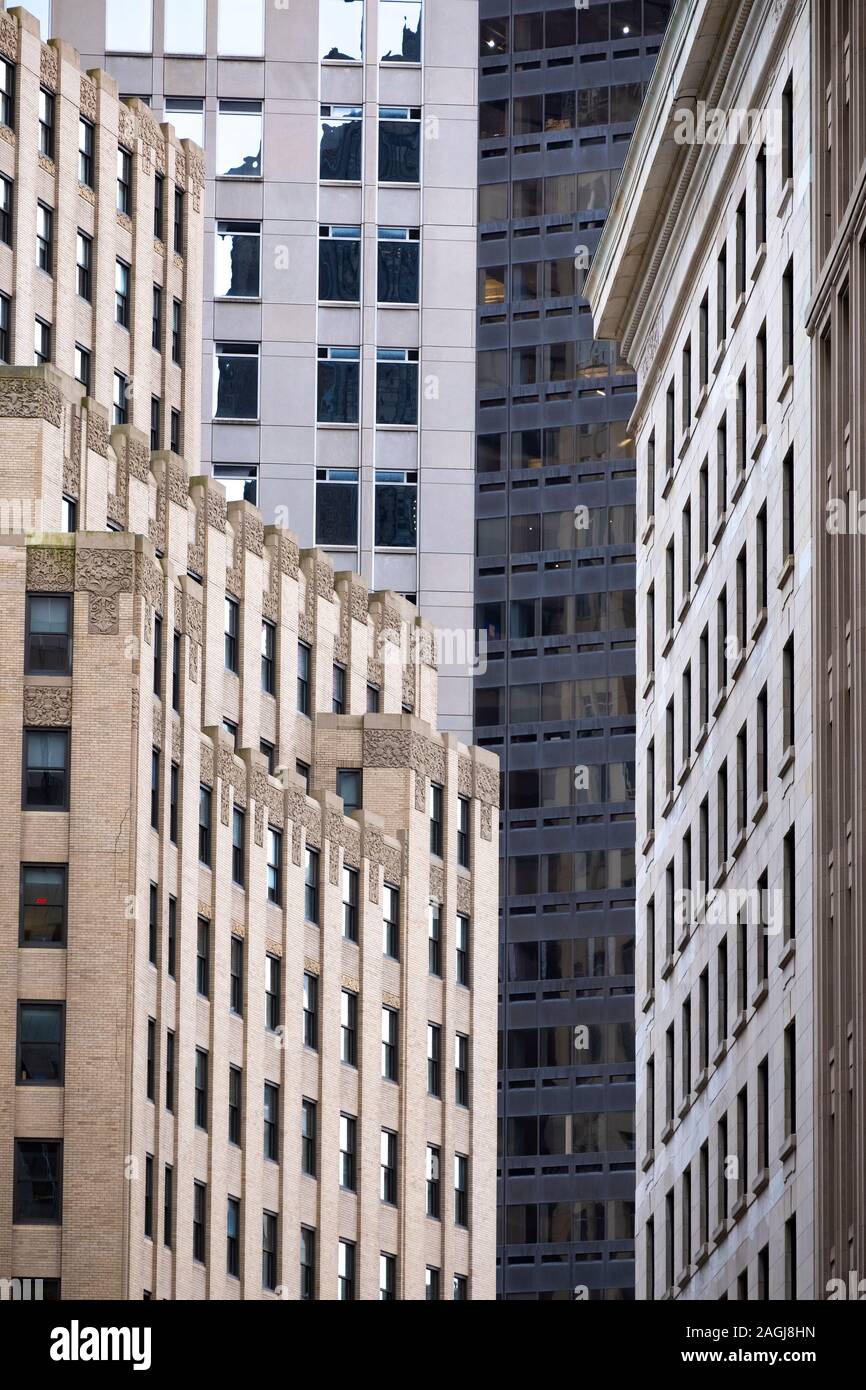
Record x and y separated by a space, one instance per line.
761 1181
667 1132
701 1080
684 1276
720 1052
720 701
760 994
719 527
759 624
686 441
739 1207
720 353
702 567
703 396
667 807
668 641
739 844
240 178
235 420
785 572
685 605
648 531
702 1255
760 440
684 771
760 809
648 1160
239 299
684 1106
788 953
649 840
667 484
786 198
701 739
739 307
787 382
788 1148
647 1001
760 257
739 1024
721 1231
787 761
649 686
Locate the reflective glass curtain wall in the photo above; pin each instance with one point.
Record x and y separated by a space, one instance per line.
560 89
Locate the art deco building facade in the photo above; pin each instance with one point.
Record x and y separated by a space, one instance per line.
703 275
339 263
560 88
835 322
247 1010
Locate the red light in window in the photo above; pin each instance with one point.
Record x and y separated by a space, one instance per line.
41 902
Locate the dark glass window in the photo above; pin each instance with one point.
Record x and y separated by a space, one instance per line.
434 807
308 1264
237 260
338 689
239 835
176 313
7 94
43 905
273 977
275 865
236 384
40 1044
434 1059
46 769
269 643
124 181
434 939
336 506
199 1210
388 1167
396 509
391 922
46 123
397 386
201 1088
463 813
340 144
311 1010
346 1272
340 264
349 1027
121 293
233 1237
308 1137
169 1071
338 382
390 1043
202 959
348 1135
236 976
49 634
44 237
311 885
178 221
204 825
156 319
349 787
38 1182
399 265
350 904
83 262
269 1250
399 144
433 1182
158 203
303 700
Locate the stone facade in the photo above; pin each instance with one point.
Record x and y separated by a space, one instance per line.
703 276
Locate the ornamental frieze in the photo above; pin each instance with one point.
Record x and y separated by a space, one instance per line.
30 398
47 705
104 575
51 568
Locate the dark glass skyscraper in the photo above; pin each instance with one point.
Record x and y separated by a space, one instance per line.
560 89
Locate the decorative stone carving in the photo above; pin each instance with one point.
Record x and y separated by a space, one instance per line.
124 222
375 672
180 168
312 966
178 484
8 37
333 862
392 1000
104 575
359 602
87 194
464 775
420 792
30 398
487 784
437 883
125 124
175 741
7 135
273 947
254 533
46 164
486 823
341 651
87 99
149 583
156 724
216 510
51 568
195 170
290 556
156 525
654 338
296 843
324 580
48 68
134 711
350 982
47 705
393 864
204 909
98 436
305 628
206 765
137 459
464 895
409 686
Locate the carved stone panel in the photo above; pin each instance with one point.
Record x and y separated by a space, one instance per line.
47 706
104 575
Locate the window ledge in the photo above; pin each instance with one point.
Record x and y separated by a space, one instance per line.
701 739
667 968
702 1254
739 1207
739 663
787 760
739 307
648 842
719 527
760 440
667 1132
760 994
684 771
720 1052
648 531
701 1080
739 1023
786 198
788 952
787 382
648 1160
667 482
649 685
684 1106
761 1181
720 700
685 604
686 441
721 1231
668 641
668 804
739 844
760 257
683 938
759 624
684 1276
702 567
785 572
703 395
788 1148
720 353
235 420
721 874
648 1000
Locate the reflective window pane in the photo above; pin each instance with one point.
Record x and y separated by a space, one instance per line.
341 25
184 26
241 28
337 508
340 265
400 31
127 27
399 151
398 270
239 140
396 514
236 381
237 259
337 390
340 148
396 392
186 114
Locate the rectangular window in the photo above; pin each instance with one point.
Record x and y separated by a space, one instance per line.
46 123
340 144
199 1209
396 523
337 506
740 267
388 1167
156 319
83 265
236 381
239 140
461 1069
670 440
169 1071
235 1093
434 811
121 293
788 697
348 1135
397 386
171 962
346 1272
399 144
40 1044
387 1278
434 1059
311 886
349 1027
390 1043
5 340
350 904
201 1088
303 695
350 788
43 905
238 846
232 626
463 820
760 380
271 1118
391 922
240 30
38 1182
275 866
152 925
202 964
789 886
399 255
154 788
121 399
273 979
168 1206
788 505
308 1137
174 432
158 206
761 198
338 689
44 237
311 1011
338 385
434 939
269 1250
461 1190
340 264
155 422
462 950
204 825
46 770
268 654
788 316
184 26
48 635
433 1182
176 316
308 1264
236 976
7 94
177 238
124 181
233 1237
237 260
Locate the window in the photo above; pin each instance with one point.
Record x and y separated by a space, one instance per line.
83 264
43 905
46 123
461 1069
201 1086
155 422
788 317
308 1264
199 1206
789 886
237 260
388 1167
49 635
340 264
788 505
348 1126
303 700
387 1278
171 954
788 709
350 904
434 1059
239 140
204 825
38 1196
121 399
346 1272
82 369
236 976
233 1237
433 1284
399 144
7 94
740 267
46 770
390 1043
397 386
400 31
177 236
311 1011
337 506
462 950
349 787
202 964
156 319
273 978
168 1206
398 271
269 752
434 810
176 313
349 1027
340 144
158 205
271 1116
127 28
434 939
240 31
40 1047
338 689
236 382
235 1089
275 866
232 621
308 1137
186 114
396 508
391 922
463 813
44 237
311 886
5 341
788 129
269 1250
152 925
338 385
41 342
433 1181
124 181
184 26
761 198
174 435
461 1190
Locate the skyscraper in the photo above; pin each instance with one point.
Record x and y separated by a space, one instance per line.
560 90
338 367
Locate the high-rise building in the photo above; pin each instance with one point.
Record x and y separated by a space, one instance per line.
339 263
836 323
247 889
560 90
703 275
